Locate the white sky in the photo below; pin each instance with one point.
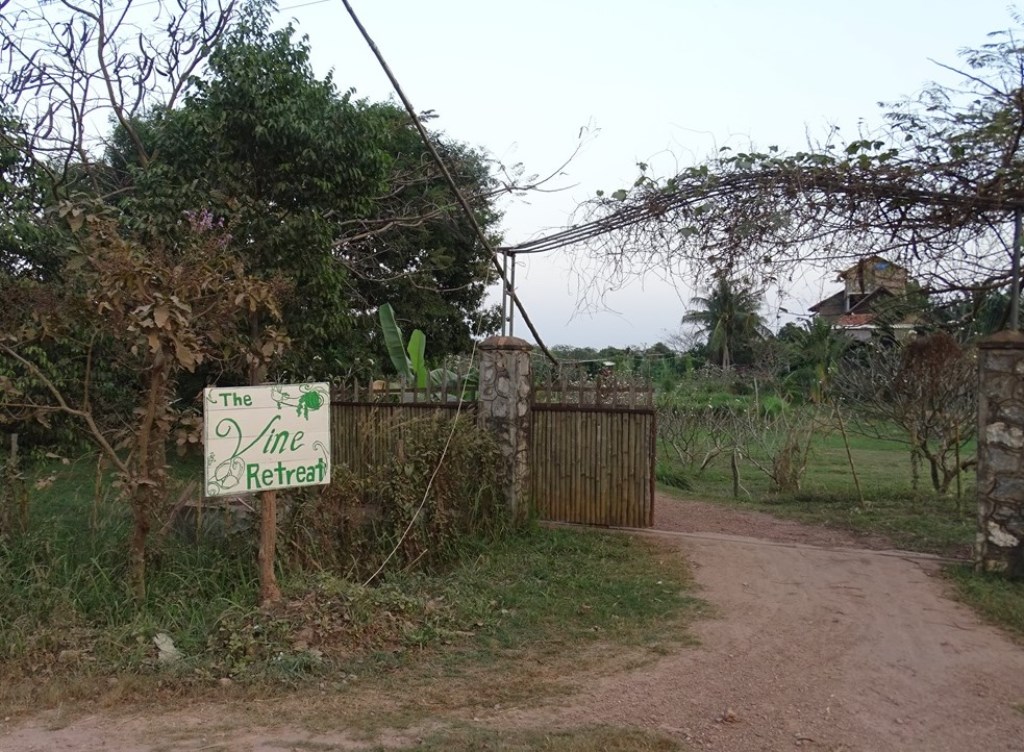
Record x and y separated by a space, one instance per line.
659 81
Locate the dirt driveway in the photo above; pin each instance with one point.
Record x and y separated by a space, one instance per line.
817 643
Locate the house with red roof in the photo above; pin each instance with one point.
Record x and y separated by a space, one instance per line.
867 285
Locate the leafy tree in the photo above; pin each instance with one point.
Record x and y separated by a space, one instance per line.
334 192
261 140
154 288
431 260
30 246
729 317
163 309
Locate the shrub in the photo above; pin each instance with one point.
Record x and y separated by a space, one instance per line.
440 486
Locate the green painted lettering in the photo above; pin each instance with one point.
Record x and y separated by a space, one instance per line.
276 442
251 478
300 474
295 445
267 428
268 477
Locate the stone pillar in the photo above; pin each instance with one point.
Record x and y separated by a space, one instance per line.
503 408
1000 542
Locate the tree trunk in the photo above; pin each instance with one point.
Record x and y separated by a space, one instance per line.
935 469
137 546
269 590
915 468
149 481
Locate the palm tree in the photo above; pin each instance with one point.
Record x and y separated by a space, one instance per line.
816 349
729 316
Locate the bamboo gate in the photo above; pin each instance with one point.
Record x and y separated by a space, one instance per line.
592 453
592 444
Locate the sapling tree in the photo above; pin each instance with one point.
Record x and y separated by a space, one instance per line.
927 390
169 307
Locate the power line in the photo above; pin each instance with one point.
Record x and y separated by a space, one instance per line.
460 198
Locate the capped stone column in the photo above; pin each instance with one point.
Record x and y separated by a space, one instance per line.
1000 541
503 408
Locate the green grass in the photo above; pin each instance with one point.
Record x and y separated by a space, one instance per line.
920 521
997 599
69 623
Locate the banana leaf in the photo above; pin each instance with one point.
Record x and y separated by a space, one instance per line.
395 342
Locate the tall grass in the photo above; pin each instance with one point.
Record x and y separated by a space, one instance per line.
460 575
64 583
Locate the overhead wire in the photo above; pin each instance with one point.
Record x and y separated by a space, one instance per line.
459 196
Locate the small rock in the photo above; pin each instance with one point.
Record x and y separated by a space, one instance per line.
225 681
167 652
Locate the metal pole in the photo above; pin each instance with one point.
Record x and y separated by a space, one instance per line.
511 310
504 295
1015 295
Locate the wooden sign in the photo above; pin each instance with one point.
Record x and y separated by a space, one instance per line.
262 438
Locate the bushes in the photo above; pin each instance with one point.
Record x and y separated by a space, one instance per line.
439 487
697 423
66 605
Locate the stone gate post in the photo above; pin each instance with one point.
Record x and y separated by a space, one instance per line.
1000 541
503 408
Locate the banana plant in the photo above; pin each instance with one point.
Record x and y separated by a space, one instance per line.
410 360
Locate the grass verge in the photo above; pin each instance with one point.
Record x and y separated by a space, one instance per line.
999 600
506 622
927 523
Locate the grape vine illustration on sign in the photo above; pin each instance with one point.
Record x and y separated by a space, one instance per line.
264 438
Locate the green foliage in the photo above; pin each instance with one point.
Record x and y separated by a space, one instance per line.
142 299
262 140
67 613
31 244
13 495
395 342
419 506
815 350
410 362
333 192
672 476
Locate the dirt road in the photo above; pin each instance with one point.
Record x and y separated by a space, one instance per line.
816 647
817 643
